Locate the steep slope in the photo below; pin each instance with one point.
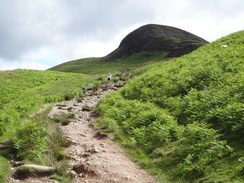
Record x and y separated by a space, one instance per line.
184 119
148 43
158 38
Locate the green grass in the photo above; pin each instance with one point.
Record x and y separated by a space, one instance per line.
64 118
4 168
15 84
24 92
184 119
101 66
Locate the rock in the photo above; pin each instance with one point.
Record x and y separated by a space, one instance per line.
72 142
224 46
72 173
127 177
38 167
83 135
157 38
92 150
30 170
102 145
16 163
84 170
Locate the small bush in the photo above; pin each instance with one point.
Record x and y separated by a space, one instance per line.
64 118
71 115
29 140
79 98
56 141
95 87
68 95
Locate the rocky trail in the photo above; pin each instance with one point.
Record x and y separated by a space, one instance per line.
95 158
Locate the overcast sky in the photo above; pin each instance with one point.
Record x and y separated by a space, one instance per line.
39 34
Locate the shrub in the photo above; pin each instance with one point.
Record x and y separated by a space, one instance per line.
68 95
29 140
64 118
55 143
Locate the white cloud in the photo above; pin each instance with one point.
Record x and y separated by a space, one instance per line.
5 65
41 34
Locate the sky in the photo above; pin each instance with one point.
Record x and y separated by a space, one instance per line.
39 34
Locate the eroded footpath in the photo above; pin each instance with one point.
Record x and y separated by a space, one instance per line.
95 159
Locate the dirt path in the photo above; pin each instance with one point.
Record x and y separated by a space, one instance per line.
95 159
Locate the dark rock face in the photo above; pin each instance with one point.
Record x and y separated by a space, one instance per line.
156 38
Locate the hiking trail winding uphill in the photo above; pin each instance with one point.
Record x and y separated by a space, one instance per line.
95 159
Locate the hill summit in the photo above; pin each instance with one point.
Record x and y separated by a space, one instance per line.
157 38
148 43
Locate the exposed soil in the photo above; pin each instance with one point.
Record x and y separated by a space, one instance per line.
95 158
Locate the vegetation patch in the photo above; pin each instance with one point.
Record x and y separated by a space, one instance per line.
183 119
64 118
87 108
101 66
4 168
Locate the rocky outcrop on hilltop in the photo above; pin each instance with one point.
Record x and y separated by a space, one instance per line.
157 38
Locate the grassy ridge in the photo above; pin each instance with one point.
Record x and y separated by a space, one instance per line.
101 66
185 118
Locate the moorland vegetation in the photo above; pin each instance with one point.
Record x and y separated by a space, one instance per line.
184 119
35 139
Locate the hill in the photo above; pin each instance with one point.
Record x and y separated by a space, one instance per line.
184 119
157 38
148 43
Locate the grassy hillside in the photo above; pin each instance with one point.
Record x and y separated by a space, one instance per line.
100 66
184 119
24 92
